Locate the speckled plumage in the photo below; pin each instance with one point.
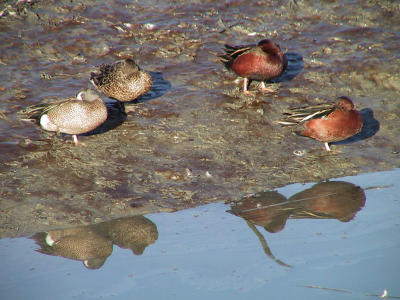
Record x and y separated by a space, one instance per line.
135 232
72 116
123 80
327 122
81 244
260 62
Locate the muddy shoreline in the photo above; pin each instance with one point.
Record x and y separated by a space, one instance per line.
194 138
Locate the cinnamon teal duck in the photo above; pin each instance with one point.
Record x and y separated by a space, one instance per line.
326 122
71 116
123 81
260 62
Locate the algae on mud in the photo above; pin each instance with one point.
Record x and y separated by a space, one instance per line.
193 139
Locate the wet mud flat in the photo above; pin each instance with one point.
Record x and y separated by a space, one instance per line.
194 138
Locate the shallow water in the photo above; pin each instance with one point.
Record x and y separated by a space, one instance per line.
335 243
194 138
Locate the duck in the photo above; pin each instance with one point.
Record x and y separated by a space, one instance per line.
326 122
123 81
71 116
260 62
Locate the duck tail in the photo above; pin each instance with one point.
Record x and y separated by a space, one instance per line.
226 61
299 115
34 112
231 53
94 78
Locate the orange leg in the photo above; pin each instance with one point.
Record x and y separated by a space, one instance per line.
245 91
264 89
327 147
75 138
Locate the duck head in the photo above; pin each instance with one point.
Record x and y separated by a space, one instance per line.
344 103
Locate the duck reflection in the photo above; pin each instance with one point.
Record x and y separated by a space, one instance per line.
81 243
268 209
134 233
327 200
93 244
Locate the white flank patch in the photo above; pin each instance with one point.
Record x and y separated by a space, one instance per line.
49 240
44 121
149 26
79 96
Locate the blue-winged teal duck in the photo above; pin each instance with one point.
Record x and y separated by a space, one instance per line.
72 116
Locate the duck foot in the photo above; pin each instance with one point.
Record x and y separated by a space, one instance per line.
264 89
248 93
75 139
245 91
327 147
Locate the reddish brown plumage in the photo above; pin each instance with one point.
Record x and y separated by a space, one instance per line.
327 123
339 125
260 62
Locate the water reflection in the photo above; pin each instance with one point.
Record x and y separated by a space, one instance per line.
327 200
93 244
267 209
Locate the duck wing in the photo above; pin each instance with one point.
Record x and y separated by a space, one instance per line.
34 112
232 52
302 114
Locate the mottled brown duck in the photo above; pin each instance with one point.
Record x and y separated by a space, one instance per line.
123 80
71 116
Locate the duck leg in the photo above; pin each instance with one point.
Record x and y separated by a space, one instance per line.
245 84
327 146
75 138
121 106
264 89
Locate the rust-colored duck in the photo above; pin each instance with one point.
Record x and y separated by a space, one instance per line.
123 80
260 62
326 122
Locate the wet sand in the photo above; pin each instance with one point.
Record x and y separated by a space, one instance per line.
194 138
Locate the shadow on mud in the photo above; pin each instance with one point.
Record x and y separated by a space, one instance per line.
159 88
294 68
370 128
116 116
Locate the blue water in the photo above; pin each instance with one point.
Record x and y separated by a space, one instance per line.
208 253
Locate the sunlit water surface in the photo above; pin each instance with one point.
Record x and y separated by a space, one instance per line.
209 253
